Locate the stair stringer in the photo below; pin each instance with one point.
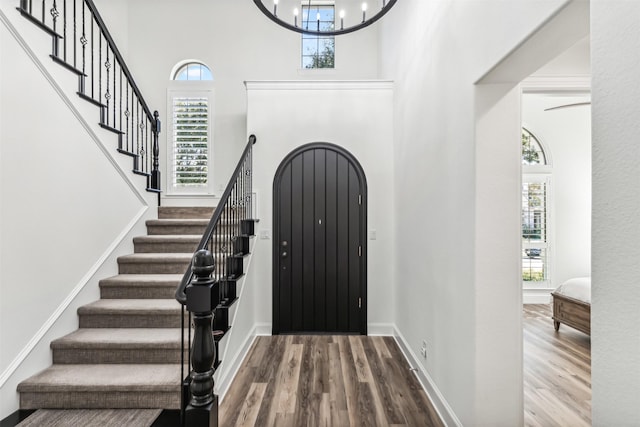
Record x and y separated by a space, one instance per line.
235 345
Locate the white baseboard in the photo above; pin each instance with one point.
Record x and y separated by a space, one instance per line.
263 329
224 383
536 296
442 407
380 329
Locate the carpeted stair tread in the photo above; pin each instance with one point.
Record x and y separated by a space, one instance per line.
185 226
131 306
154 263
166 243
170 212
155 257
168 238
153 280
120 338
104 377
91 418
131 313
139 286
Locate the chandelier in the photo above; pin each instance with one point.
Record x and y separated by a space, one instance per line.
352 15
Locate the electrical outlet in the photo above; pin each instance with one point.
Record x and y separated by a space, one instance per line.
423 350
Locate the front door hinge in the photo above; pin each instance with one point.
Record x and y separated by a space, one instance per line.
359 250
359 302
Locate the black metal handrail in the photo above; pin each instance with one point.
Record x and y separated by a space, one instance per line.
83 44
223 238
225 225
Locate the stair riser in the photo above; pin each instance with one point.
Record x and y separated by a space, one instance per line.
175 212
102 399
182 247
153 268
133 292
186 229
106 355
147 247
130 321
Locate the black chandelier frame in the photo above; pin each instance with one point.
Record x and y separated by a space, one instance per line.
335 32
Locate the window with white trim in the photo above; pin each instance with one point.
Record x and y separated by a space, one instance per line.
318 51
536 180
190 100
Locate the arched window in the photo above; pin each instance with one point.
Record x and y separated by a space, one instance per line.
193 71
190 101
536 180
532 152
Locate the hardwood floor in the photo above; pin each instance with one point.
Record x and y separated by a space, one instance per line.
323 380
557 372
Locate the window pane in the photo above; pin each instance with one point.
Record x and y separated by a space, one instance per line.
194 71
318 52
534 264
307 62
309 46
534 211
532 152
190 141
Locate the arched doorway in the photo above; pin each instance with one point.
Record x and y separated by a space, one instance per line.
319 244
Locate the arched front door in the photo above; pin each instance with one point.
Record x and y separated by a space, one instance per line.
319 242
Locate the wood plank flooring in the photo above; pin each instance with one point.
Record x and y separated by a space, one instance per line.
557 372
295 380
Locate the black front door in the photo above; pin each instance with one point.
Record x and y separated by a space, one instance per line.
319 246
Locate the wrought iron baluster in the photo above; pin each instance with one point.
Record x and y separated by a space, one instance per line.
120 127
137 137
75 35
54 16
83 42
64 29
100 67
115 66
107 94
92 60
127 113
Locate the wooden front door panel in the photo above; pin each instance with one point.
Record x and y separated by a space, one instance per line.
319 246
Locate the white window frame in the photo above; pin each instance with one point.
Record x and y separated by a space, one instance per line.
200 89
541 174
303 4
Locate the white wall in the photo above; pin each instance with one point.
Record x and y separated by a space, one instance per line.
238 43
355 115
566 135
446 293
58 182
615 317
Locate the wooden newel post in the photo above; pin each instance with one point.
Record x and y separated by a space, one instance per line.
203 296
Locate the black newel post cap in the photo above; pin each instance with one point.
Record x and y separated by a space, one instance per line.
203 293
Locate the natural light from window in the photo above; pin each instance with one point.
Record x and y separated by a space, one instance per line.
535 192
318 51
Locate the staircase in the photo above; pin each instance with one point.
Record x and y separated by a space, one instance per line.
126 353
83 45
